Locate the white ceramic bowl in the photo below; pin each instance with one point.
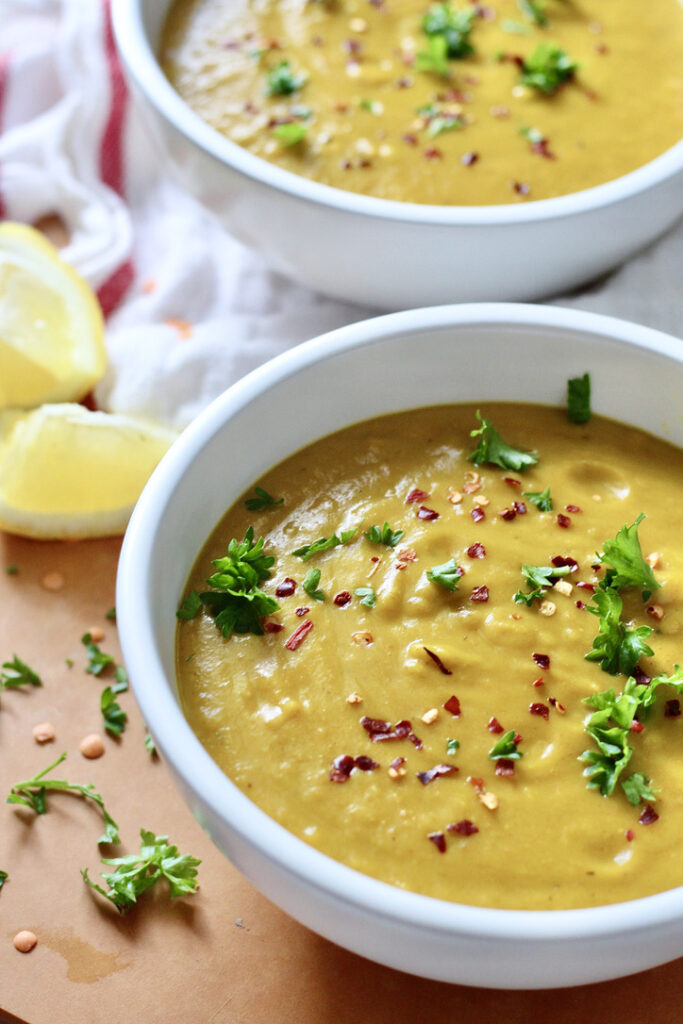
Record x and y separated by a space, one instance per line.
423 357
386 254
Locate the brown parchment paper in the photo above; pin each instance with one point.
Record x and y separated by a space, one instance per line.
224 956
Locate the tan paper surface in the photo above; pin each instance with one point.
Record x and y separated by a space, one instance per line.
224 956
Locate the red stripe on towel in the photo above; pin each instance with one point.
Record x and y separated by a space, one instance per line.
4 69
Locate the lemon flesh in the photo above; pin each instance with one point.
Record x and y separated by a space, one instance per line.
67 472
51 326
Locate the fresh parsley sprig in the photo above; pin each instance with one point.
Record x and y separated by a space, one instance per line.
3 878
17 673
434 59
310 584
97 659
262 500
324 544
114 716
538 578
547 68
627 567
385 535
492 449
446 575
617 647
33 793
135 874
283 81
541 499
367 595
579 399
454 26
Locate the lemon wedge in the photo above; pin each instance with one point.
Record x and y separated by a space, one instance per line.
51 327
67 472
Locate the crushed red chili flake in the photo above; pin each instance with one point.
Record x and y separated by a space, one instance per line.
580 604
512 481
342 598
495 726
352 46
560 561
563 521
542 148
475 781
379 730
476 550
397 762
273 627
404 557
286 588
416 495
511 58
542 660
539 709
505 767
410 139
404 83
538 682
573 508
583 585
365 763
433 153
427 514
480 594
453 705
477 514
517 738
298 635
636 726
507 514
438 662
439 840
640 676
519 507
630 835
317 41
467 159
463 828
649 816
672 709
521 188
556 704
436 772
302 611
342 767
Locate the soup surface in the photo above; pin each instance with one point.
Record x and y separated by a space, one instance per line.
362 95
365 719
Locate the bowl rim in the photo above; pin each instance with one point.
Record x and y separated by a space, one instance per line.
184 752
145 69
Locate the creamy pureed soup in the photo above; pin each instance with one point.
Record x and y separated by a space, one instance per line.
464 104
402 712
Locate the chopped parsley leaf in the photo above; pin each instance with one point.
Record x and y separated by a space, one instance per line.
547 68
190 606
12 570
443 21
541 499
262 499
111 615
150 745
385 535
290 134
435 58
237 602
446 575
579 399
624 556
506 747
310 584
534 11
114 716
616 647
3 878
17 674
324 544
97 659
537 578
492 449
368 596
452 746
282 81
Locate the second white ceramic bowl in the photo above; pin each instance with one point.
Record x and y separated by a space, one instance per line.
402 361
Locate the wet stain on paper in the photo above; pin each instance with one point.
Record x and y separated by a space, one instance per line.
84 963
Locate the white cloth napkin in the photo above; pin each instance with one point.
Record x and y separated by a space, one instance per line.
190 310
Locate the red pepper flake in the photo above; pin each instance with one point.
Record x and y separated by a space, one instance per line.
672 709
649 816
507 514
463 828
539 709
521 188
397 763
433 153
467 159
438 662
495 726
630 835
641 677
342 767
476 550
365 763
563 521
587 586
519 507
538 682
342 599
636 726
286 588
560 708
560 561
273 627
453 705
475 781
517 738
427 514
439 840
512 481
410 139
351 46
573 508
505 767
480 594
436 772
416 495
580 604
317 41
477 514
299 635
379 730
404 83
404 557
301 612
542 660
542 148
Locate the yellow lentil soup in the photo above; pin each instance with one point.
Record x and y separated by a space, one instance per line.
415 704
464 104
